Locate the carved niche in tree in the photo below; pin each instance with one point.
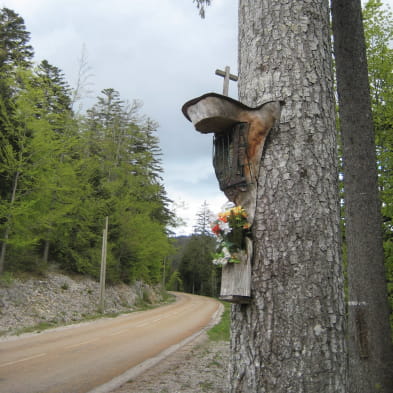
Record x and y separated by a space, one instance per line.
240 133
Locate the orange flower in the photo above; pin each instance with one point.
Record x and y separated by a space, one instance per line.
223 217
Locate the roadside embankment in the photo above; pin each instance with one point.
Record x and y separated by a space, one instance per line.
39 302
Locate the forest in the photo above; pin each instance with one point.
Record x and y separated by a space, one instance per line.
62 172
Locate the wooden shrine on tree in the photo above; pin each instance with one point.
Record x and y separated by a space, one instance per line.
239 137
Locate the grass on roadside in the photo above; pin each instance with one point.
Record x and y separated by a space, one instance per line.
41 326
220 332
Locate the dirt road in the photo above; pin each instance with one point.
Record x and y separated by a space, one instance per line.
78 359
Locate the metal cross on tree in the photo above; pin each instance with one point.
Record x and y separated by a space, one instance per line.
227 77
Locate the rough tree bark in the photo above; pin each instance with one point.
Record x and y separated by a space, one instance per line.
369 337
291 337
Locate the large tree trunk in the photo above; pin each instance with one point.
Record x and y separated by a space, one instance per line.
369 339
291 337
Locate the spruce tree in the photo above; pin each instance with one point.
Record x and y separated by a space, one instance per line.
15 53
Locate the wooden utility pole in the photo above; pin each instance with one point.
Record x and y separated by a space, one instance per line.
163 276
103 266
227 77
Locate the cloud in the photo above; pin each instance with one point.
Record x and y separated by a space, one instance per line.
189 205
158 51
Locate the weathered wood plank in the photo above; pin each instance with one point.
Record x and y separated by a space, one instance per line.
227 77
236 278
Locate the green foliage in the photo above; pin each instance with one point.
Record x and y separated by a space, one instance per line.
65 286
44 325
61 174
175 283
6 279
221 331
193 259
196 265
388 246
14 47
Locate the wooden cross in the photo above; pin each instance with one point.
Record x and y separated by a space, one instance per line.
227 76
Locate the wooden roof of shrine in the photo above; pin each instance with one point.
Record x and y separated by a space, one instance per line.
214 112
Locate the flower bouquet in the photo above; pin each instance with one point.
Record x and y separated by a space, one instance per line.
231 227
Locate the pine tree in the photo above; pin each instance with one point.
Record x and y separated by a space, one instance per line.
203 219
45 165
198 273
13 160
125 153
15 50
370 348
56 95
56 184
15 53
378 26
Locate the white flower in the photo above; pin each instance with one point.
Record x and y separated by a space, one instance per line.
224 226
220 261
226 253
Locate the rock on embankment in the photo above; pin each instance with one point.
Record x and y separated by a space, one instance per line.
60 299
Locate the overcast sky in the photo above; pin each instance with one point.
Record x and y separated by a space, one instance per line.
157 51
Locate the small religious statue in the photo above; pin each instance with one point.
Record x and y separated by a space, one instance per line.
239 137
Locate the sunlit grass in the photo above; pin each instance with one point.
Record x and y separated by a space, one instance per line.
221 331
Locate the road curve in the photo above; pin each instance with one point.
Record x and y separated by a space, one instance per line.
76 359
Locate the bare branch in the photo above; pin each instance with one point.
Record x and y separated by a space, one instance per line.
201 4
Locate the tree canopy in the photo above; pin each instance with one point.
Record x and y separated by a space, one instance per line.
62 174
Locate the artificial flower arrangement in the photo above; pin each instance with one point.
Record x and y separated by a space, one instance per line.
231 227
